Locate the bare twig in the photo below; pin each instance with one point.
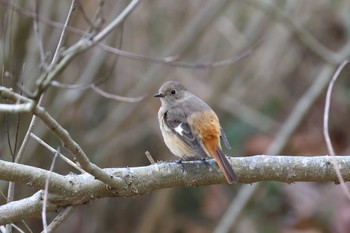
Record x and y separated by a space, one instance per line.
60 41
98 91
326 130
26 137
70 86
14 150
17 228
46 191
116 97
117 21
52 150
27 227
171 61
63 215
37 33
149 157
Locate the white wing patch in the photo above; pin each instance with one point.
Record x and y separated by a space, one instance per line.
179 129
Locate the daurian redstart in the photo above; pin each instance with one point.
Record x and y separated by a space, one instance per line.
190 128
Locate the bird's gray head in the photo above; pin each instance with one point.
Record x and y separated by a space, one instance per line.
172 93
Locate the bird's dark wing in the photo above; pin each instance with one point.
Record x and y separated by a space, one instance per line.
179 126
224 139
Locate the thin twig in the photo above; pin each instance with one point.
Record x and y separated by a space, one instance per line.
116 97
7 118
52 150
76 86
57 221
55 56
17 228
120 44
117 21
26 137
171 61
37 33
326 130
98 91
149 157
27 227
46 191
18 116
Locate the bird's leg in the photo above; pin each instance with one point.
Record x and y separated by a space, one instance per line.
204 160
182 165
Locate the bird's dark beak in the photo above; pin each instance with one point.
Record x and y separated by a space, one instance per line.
159 95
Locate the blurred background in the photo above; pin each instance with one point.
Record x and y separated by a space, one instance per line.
297 45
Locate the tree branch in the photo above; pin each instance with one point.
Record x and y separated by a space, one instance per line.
71 190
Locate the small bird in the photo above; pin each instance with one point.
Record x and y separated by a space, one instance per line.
190 128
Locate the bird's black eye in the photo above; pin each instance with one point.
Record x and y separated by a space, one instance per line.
173 92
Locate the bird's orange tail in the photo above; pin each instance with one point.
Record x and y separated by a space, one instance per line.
225 166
